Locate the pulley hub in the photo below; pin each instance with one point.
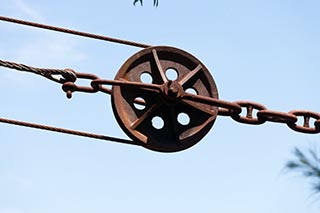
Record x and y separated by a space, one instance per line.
172 91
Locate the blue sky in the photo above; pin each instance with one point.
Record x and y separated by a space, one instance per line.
263 51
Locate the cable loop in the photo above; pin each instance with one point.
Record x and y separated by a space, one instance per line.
61 76
58 75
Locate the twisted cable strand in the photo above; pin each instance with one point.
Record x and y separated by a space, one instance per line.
67 74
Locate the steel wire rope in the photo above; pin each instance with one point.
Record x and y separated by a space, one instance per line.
68 131
68 76
74 32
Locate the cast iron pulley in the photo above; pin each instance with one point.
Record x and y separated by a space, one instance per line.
164 121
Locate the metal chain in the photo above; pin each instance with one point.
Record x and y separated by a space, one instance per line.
226 108
74 32
64 75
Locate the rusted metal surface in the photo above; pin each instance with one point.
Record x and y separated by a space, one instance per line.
166 104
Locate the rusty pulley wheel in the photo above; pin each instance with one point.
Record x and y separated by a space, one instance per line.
166 122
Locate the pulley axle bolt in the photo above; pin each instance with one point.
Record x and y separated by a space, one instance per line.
173 90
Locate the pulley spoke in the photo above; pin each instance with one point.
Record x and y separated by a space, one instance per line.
191 74
144 116
158 63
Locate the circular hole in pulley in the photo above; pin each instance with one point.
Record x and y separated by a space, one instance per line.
138 103
157 122
171 74
192 91
183 118
146 78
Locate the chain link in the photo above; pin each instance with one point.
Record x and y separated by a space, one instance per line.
277 117
306 127
249 118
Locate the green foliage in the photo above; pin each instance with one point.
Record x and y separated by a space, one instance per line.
308 163
155 2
